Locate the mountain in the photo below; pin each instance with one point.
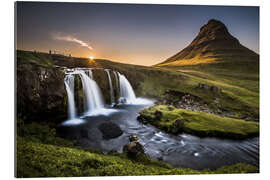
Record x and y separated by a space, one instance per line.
213 43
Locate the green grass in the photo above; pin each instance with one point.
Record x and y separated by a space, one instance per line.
41 59
199 123
239 80
40 153
43 160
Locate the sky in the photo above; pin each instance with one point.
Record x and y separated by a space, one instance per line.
128 33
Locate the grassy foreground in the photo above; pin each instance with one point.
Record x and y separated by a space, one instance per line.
175 120
41 154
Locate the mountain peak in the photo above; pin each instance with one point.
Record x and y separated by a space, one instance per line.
214 41
214 30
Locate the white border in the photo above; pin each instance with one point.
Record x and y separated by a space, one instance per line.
7 86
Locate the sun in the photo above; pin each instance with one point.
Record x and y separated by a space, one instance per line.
91 57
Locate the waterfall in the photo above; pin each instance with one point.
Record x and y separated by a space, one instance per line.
69 83
111 87
93 100
90 74
127 94
93 97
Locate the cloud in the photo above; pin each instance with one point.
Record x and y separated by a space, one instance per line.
72 39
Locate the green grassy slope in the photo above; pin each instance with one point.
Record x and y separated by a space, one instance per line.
40 153
198 123
239 82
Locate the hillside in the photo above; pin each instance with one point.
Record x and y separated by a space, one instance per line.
213 44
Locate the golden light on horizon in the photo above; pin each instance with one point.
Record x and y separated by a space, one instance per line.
91 57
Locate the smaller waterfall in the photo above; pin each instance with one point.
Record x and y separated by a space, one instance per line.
127 94
69 83
111 87
90 74
92 93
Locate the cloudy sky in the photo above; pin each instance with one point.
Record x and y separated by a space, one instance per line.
134 34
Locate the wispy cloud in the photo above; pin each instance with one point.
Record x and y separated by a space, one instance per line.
72 39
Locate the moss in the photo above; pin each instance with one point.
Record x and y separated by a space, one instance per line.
198 123
240 86
43 160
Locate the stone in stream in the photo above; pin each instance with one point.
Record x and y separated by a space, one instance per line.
133 138
133 149
110 130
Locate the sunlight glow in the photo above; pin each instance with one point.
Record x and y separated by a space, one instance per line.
91 57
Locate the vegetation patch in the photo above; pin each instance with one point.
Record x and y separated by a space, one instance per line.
173 120
38 156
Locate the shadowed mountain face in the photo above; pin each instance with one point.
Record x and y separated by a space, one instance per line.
214 42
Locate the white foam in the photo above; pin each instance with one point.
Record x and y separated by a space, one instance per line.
102 111
73 122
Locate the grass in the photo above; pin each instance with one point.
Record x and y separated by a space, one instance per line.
239 81
43 160
198 123
41 59
40 153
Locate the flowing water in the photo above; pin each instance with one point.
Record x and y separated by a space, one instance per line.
127 94
111 87
181 151
93 96
69 83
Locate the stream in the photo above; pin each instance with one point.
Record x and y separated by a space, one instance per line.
182 150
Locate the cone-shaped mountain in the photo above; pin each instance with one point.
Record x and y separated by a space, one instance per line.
214 42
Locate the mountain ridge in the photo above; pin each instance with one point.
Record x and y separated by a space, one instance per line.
213 42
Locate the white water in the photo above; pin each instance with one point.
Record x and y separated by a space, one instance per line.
90 74
93 103
127 95
111 87
69 83
93 97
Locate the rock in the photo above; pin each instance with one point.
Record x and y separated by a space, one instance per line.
110 130
133 138
134 148
211 88
178 126
158 115
41 92
84 133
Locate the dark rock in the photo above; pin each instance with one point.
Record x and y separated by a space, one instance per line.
84 133
110 130
178 126
211 88
158 115
41 92
133 149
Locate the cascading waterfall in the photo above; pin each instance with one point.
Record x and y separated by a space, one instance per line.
127 94
69 83
94 104
111 87
90 73
93 97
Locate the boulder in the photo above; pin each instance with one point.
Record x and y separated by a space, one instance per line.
110 130
133 149
84 133
158 115
133 138
211 88
178 126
